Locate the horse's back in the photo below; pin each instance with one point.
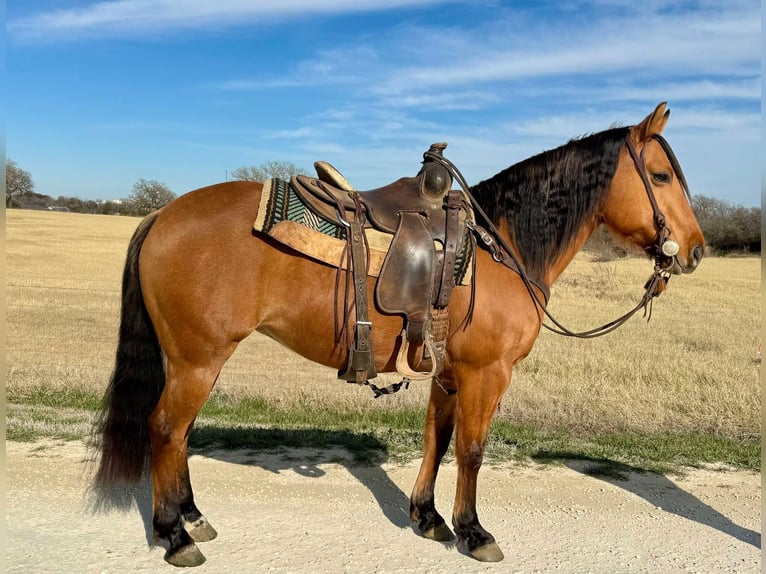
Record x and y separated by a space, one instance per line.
212 209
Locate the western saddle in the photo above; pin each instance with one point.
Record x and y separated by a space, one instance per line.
428 223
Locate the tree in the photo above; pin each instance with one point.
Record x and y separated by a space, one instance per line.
728 227
149 195
17 183
270 169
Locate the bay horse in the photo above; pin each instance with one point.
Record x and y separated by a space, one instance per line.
198 280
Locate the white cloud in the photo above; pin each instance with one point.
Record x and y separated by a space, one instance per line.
650 44
713 53
138 17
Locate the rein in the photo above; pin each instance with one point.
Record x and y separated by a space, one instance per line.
501 251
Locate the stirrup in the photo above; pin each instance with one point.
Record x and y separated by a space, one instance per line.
434 350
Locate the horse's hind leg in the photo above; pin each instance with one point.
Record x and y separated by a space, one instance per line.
176 519
440 420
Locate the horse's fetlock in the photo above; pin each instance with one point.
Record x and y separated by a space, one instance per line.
190 512
414 511
424 514
166 522
470 532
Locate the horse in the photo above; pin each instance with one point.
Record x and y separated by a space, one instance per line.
198 280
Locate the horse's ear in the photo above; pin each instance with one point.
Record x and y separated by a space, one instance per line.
652 125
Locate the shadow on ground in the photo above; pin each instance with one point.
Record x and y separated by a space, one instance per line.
657 490
360 453
303 451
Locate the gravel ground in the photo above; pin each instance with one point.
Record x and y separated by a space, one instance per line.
294 512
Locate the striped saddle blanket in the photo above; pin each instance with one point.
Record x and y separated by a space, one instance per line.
283 216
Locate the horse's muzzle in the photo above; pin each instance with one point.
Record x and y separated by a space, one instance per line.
677 267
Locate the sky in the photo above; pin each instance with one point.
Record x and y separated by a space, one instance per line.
100 94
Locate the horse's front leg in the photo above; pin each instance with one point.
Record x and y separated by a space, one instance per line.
440 420
478 398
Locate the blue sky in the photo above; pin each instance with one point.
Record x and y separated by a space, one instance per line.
101 94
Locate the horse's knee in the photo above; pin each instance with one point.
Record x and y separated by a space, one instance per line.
472 457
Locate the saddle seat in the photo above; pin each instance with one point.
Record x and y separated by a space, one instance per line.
330 192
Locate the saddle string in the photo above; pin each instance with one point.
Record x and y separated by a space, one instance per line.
652 286
340 323
472 301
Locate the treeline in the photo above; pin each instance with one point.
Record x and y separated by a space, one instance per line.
40 201
145 197
728 228
137 206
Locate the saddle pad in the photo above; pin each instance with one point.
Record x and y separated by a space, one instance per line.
283 216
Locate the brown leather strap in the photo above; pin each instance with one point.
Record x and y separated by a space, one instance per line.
361 359
452 238
659 216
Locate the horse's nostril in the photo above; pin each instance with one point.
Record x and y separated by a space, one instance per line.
697 254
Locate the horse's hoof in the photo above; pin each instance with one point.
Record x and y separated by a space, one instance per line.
185 556
489 553
441 533
200 530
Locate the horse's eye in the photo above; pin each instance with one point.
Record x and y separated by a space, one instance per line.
661 177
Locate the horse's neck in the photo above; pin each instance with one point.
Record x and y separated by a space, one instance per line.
561 263
564 259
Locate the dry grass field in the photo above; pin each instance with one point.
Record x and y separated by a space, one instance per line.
690 369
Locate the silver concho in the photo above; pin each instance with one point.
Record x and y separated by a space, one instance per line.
670 248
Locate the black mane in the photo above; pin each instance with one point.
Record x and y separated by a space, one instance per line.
547 198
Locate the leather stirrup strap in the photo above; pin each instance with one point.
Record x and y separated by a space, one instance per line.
361 363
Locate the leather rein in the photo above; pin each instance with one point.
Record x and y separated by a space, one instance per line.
663 245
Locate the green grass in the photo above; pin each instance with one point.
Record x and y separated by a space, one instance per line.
372 436
55 398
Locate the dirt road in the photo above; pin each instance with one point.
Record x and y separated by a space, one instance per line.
301 512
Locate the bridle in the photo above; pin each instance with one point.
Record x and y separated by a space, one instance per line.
663 247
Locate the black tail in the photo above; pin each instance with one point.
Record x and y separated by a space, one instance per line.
122 429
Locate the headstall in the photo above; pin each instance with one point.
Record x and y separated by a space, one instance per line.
664 249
